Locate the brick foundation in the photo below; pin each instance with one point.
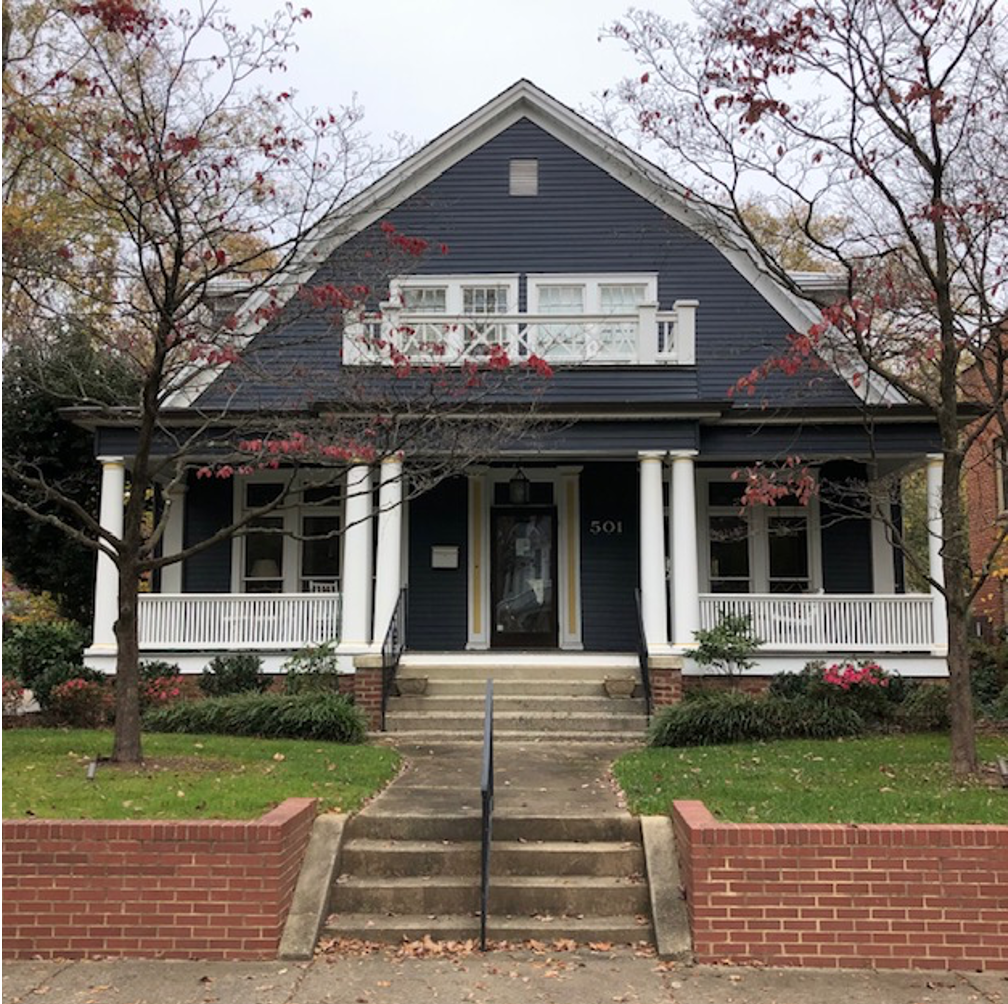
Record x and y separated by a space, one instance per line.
741 684
368 688
201 889
890 897
666 686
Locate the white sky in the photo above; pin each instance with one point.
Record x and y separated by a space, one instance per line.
419 66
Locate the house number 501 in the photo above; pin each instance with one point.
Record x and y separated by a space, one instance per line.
607 526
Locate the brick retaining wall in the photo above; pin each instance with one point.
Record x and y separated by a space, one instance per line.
892 897
199 889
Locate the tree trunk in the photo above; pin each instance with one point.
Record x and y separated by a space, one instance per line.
126 747
955 568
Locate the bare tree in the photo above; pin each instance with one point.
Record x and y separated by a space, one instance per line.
892 118
164 170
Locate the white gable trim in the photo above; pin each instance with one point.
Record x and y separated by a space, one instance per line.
522 100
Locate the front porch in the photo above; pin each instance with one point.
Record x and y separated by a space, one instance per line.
584 536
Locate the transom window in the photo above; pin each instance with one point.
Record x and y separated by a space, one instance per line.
425 299
623 298
592 294
561 299
485 299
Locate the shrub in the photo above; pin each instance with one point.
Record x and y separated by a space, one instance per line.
999 709
730 717
988 671
312 670
13 695
160 691
317 716
61 673
233 674
728 647
82 703
158 669
797 684
926 709
35 647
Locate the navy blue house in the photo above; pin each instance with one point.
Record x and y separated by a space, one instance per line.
565 244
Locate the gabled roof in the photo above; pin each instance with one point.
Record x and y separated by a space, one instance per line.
522 100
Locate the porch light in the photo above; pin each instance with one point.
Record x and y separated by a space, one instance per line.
518 489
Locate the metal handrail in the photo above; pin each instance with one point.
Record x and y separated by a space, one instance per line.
642 655
487 799
392 650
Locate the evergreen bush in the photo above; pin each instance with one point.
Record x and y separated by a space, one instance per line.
226 675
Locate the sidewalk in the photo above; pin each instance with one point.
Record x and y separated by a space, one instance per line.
618 977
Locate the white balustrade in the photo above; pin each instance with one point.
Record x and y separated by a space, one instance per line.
831 622
184 621
576 339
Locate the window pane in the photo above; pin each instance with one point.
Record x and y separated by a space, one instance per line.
561 299
425 299
726 493
330 495
320 552
621 299
264 557
788 552
258 495
729 554
485 300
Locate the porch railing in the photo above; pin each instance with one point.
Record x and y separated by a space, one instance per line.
643 656
647 336
831 621
486 813
182 621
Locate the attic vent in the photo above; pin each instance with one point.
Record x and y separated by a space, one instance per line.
524 177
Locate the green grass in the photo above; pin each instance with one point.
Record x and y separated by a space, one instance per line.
882 779
223 777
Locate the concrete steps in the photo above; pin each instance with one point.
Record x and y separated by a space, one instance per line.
559 695
410 874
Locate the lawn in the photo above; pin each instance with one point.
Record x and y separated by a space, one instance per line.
882 779
187 776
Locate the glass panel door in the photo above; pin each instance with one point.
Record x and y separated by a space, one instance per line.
523 593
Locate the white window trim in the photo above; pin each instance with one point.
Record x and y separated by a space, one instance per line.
759 537
591 283
453 286
291 513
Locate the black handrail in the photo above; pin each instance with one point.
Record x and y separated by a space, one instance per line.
642 655
392 650
487 798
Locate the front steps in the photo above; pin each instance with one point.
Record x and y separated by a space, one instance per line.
406 877
537 697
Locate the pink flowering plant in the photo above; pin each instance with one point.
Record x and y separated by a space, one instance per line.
862 685
13 695
160 691
82 703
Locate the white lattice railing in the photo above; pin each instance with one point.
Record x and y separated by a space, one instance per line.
834 622
183 621
645 337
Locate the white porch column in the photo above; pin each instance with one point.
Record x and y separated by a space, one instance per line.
935 463
172 541
388 580
652 550
355 634
106 605
685 570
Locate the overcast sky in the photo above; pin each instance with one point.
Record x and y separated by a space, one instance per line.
419 66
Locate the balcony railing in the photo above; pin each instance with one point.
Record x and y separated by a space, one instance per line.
184 621
832 623
646 337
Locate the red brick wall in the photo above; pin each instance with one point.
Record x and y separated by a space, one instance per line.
202 889
741 684
891 897
666 685
368 693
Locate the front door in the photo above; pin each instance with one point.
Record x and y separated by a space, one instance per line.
524 575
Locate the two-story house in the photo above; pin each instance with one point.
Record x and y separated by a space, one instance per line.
590 257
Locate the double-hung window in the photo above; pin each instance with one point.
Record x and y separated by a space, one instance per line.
296 546
756 548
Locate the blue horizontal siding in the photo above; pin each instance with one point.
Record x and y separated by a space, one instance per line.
583 221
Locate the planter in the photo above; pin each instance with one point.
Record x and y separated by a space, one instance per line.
619 686
412 686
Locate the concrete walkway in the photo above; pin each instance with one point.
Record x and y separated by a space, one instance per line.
534 779
499 978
